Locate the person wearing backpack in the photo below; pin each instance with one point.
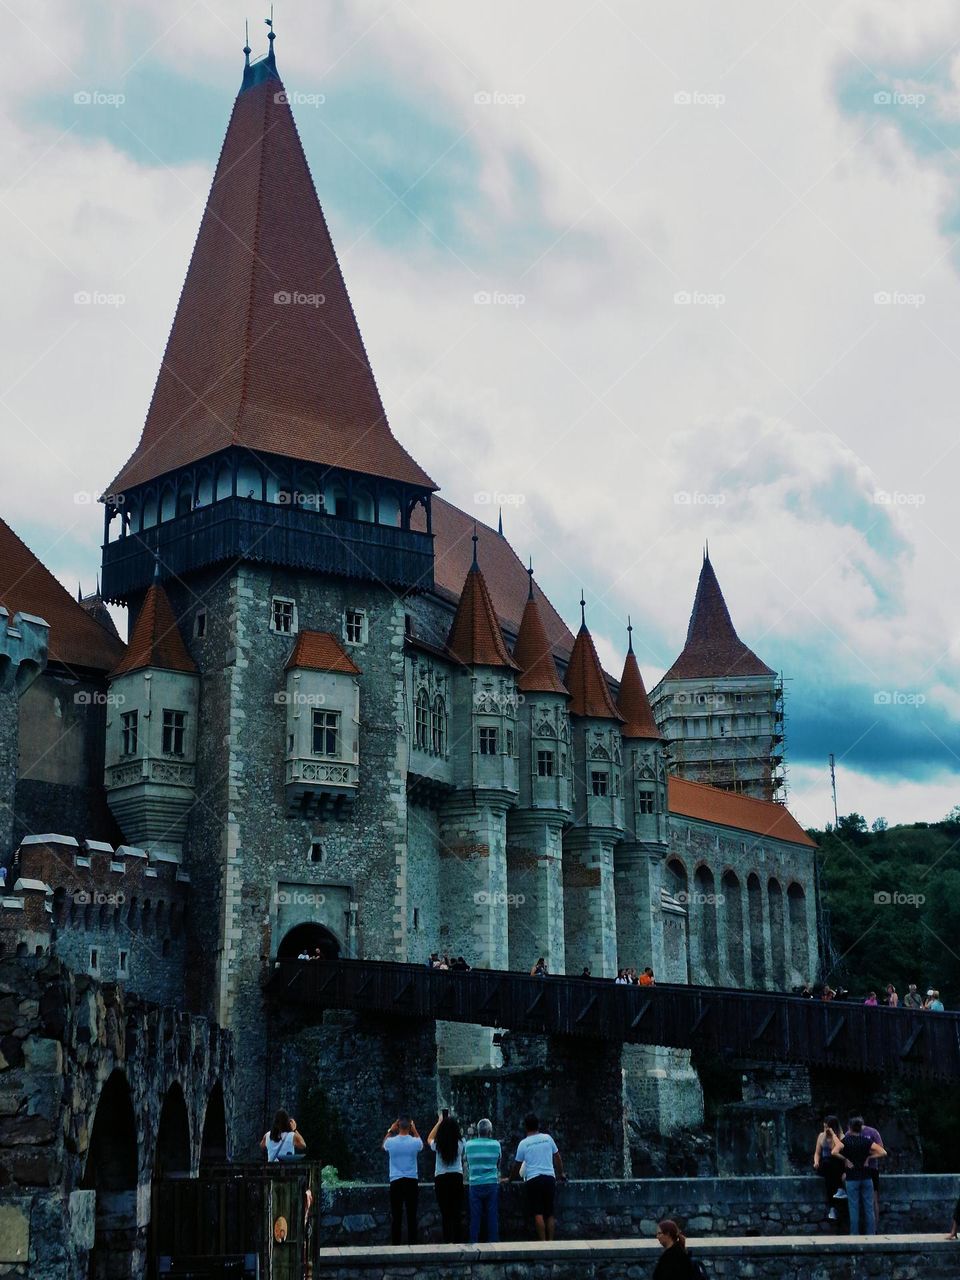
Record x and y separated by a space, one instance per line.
856 1149
675 1263
283 1140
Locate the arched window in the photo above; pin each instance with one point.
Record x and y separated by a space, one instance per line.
422 721
439 726
224 482
799 940
205 489
758 958
778 947
168 503
733 926
150 512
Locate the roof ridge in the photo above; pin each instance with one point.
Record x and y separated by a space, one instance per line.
254 259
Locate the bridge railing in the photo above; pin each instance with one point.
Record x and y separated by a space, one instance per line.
759 1025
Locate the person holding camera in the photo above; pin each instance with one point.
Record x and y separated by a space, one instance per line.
446 1141
403 1145
829 1166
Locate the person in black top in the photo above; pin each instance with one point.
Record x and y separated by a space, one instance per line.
674 1263
856 1150
829 1166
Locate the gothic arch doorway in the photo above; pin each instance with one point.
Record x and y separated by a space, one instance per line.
308 938
172 1154
111 1171
213 1144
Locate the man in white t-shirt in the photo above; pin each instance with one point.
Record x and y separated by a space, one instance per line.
539 1157
403 1144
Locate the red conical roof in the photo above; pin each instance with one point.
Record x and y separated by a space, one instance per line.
589 694
475 636
633 703
713 647
532 652
265 351
156 639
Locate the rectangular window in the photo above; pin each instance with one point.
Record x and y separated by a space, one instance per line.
509 742
488 741
326 733
200 624
94 960
544 764
174 725
645 802
122 964
416 919
282 616
600 782
354 626
128 733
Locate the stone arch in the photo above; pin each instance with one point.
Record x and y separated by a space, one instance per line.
111 1171
308 937
172 1149
799 937
704 903
213 1144
778 944
676 881
758 954
732 907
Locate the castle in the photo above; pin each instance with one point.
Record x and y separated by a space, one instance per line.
346 716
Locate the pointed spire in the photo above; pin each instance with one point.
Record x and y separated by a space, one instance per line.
475 637
476 540
629 635
583 609
532 652
530 582
589 693
500 523
632 701
156 640
79 592
713 647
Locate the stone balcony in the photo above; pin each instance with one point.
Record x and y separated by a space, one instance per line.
320 787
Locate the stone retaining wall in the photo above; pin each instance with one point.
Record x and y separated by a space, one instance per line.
630 1209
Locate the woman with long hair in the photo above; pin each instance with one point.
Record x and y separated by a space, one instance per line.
829 1166
674 1263
446 1140
283 1140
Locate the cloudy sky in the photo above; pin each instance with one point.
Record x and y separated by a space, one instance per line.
649 274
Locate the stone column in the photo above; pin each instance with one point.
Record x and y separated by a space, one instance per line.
535 889
584 1106
589 904
636 875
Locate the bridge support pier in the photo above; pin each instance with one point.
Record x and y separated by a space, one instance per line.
535 890
584 1106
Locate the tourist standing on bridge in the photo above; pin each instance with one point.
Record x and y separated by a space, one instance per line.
856 1150
913 999
446 1141
403 1144
483 1166
539 1157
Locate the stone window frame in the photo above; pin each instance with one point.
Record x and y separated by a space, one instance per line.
353 619
646 801
129 733
600 783
93 966
438 726
173 732
488 740
325 716
546 763
510 747
200 624
123 963
421 720
277 615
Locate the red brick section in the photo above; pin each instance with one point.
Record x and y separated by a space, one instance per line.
503 571
633 703
713 647
727 809
156 640
26 586
240 367
321 651
475 637
532 654
589 694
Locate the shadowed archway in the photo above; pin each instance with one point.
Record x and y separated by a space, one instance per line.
213 1144
306 939
172 1152
111 1171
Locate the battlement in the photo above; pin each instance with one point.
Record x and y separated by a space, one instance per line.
23 649
113 913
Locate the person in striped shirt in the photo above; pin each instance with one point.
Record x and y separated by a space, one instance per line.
483 1170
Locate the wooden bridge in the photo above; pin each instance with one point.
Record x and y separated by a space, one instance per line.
733 1023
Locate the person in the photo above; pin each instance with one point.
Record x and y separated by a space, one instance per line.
829 1166
304 955
646 978
871 999
873 1169
539 970
282 1140
856 1150
622 979
434 961
935 1004
446 1140
483 1155
403 1144
674 1263
586 971
539 1157
892 998
913 999
460 965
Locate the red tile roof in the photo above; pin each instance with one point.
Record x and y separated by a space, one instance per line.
321 651
713 647
727 809
532 653
243 367
475 637
589 693
633 703
26 586
156 640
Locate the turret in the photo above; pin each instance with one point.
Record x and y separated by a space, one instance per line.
322 699
645 774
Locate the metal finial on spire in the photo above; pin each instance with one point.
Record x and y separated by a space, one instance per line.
271 35
583 609
156 566
530 574
79 593
629 635
246 42
706 548
476 563
500 523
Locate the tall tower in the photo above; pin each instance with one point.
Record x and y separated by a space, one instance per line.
719 707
